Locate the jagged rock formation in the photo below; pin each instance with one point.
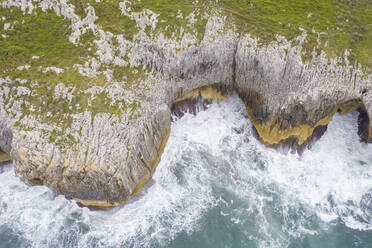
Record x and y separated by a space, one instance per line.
102 149
5 139
292 97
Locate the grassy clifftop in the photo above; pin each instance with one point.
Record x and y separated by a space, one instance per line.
36 45
339 24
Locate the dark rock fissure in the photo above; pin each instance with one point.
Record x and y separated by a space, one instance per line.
36 181
255 102
234 66
363 125
190 105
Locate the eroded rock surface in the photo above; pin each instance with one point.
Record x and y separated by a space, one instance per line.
100 141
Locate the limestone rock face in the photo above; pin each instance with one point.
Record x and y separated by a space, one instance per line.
98 169
290 93
103 157
367 100
6 134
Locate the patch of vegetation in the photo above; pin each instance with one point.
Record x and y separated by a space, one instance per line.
342 24
111 19
172 16
80 6
46 36
101 102
125 73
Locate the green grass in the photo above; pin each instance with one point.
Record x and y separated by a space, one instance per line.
111 19
169 23
47 35
343 24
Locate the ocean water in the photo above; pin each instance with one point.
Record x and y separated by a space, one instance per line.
216 186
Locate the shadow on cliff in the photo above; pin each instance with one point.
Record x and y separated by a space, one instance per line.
6 137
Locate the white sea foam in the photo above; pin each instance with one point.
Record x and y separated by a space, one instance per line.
331 178
211 161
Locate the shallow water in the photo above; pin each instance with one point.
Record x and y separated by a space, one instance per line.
216 186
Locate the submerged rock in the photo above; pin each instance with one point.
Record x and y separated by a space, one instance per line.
99 137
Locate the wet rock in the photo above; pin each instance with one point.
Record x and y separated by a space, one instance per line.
198 100
193 106
4 157
291 144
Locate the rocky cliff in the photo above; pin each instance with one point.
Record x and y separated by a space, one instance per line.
86 110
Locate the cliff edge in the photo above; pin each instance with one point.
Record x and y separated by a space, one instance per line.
86 100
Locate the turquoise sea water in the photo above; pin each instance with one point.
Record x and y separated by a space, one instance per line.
216 186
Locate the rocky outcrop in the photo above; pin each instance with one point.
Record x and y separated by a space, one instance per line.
291 97
367 108
289 101
5 138
6 134
96 171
